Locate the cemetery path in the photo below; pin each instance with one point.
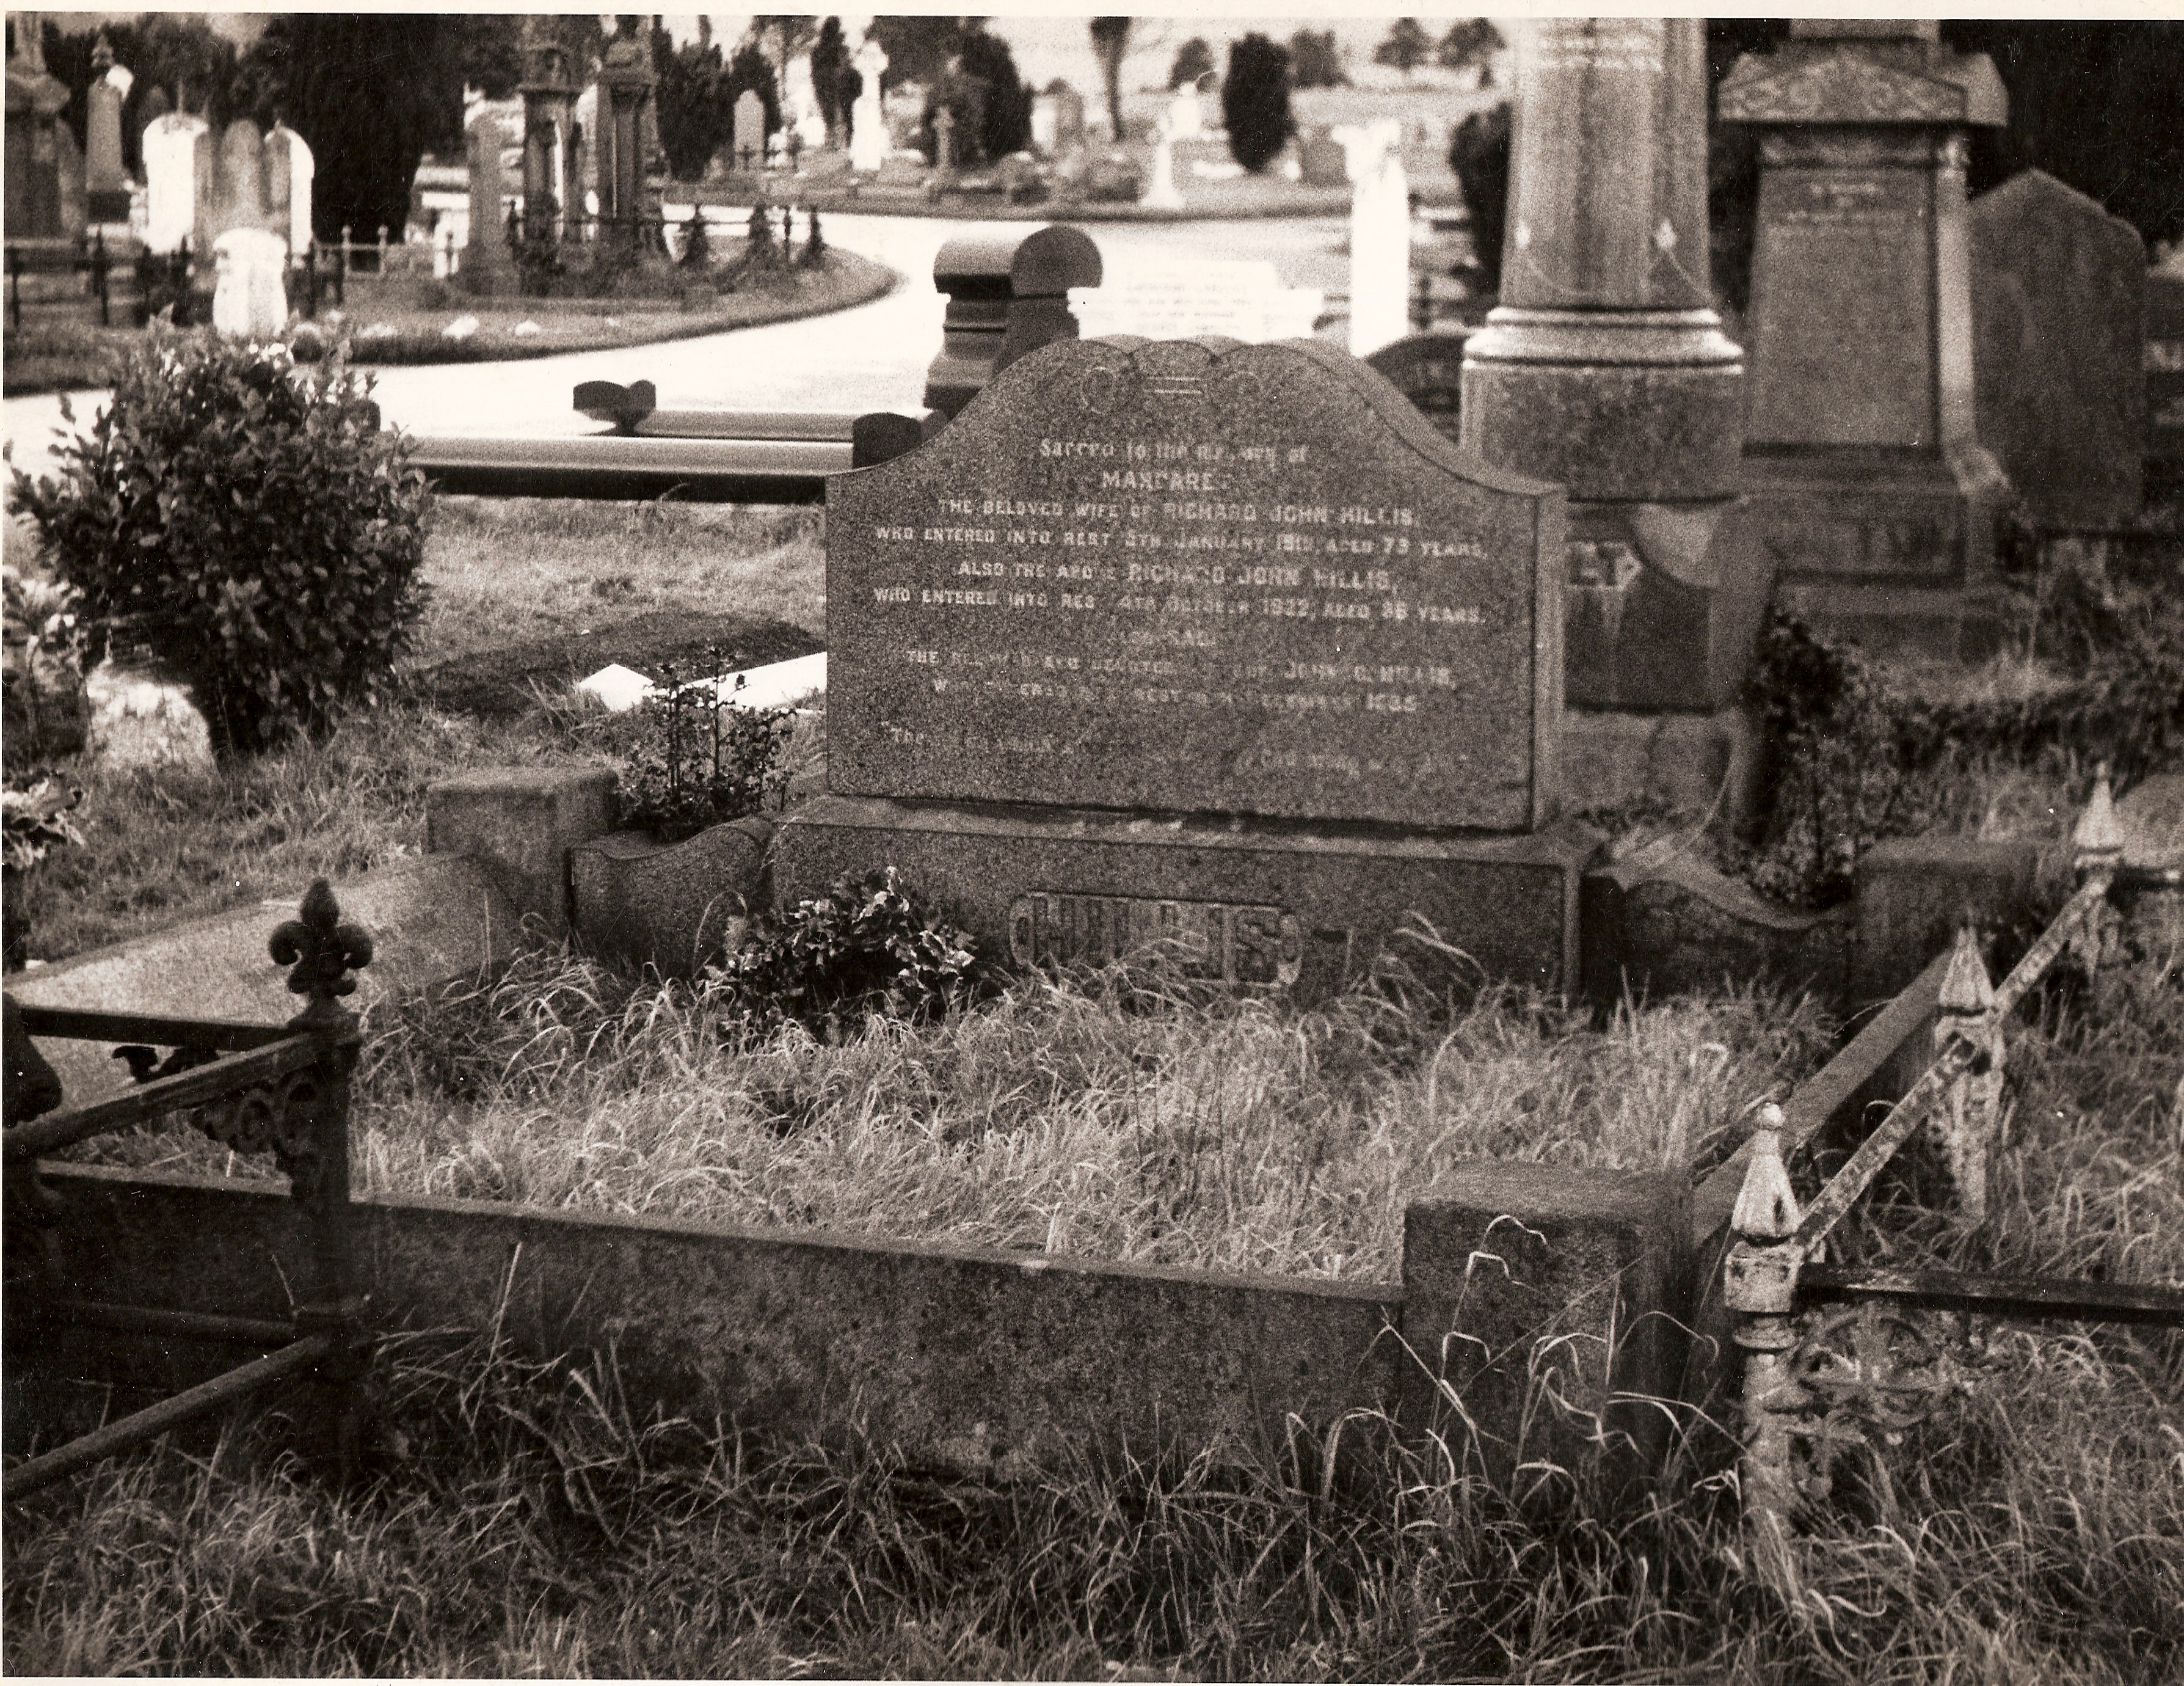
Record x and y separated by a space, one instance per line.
871 357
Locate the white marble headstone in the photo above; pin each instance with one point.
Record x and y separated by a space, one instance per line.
249 297
868 138
170 186
1380 235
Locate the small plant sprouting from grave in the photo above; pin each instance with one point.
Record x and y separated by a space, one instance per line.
869 947
36 816
700 759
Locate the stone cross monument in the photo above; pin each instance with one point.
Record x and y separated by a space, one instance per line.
868 130
1861 433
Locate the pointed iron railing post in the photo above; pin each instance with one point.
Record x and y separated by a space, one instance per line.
2096 851
314 1148
1966 1123
1760 1285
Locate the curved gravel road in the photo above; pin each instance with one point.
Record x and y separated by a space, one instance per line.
871 357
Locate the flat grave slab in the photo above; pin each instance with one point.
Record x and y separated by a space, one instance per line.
1198 577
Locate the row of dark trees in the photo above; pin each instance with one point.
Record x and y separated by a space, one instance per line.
1316 61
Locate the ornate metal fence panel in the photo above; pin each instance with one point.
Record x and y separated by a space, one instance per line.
1837 1358
255 1088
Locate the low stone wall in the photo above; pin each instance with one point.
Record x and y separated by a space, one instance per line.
971 1360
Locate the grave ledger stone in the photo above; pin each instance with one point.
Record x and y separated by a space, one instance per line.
1863 456
1605 367
2059 324
1203 640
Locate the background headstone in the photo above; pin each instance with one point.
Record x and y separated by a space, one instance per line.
1235 298
38 146
1862 441
240 196
250 297
2058 321
2165 370
1161 192
170 189
748 140
1428 369
868 138
106 181
943 139
1321 160
800 102
293 167
1379 234
487 264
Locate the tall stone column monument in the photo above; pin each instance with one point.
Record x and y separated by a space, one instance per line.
1872 488
625 93
106 183
549 105
868 129
1605 368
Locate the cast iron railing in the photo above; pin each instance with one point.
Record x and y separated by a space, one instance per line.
1816 1384
255 1088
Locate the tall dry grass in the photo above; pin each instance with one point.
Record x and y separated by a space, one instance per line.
1068 1117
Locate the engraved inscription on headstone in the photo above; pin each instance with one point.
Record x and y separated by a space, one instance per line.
1243 579
1851 361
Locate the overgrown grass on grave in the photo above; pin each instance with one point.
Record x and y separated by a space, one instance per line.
2038 1537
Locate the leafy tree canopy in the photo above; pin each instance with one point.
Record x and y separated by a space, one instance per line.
1193 60
1407 47
1315 60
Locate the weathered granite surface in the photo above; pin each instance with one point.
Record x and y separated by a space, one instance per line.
2059 330
1862 450
674 906
1428 369
1259 904
1198 575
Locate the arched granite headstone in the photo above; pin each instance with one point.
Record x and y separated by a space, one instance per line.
1206 645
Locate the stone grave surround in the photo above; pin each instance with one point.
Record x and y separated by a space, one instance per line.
1205 640
1873 491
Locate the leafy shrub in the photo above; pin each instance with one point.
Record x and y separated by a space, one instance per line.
867 946
1860 752
250 520
1255 101
34 821
698 760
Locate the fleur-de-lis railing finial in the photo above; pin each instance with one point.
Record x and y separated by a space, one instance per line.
321 951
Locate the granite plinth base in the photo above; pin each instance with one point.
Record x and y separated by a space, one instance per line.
1607 430
1896 550
1664 604
1258 904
